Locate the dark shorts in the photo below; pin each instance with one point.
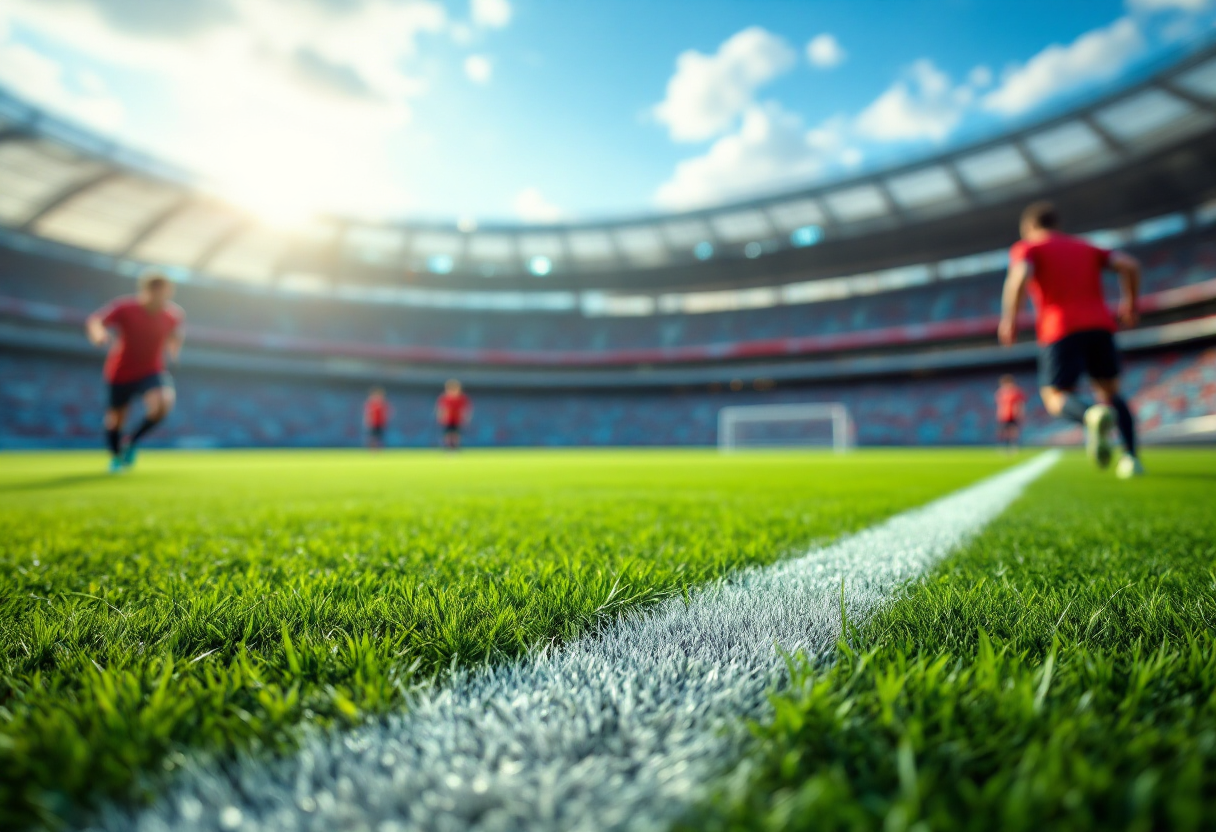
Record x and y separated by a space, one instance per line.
1011 423
1092 353
121 394
451 430
375 431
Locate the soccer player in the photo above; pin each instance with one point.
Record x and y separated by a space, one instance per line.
453 411
139 331
1075 329
1010 409
375 417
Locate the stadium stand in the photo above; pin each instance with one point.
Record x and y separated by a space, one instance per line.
880 291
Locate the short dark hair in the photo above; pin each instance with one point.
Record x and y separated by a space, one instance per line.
153 279
1041 214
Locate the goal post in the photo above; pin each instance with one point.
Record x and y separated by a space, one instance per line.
785 426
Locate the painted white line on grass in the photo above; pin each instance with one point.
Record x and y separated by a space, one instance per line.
621 729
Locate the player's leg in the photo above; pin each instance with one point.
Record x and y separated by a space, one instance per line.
1060 367
114 420
158 404
1104 368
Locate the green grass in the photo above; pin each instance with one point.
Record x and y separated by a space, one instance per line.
215 602
1060 673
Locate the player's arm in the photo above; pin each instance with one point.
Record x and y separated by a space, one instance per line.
96 330
173 345
1128 269
1012 298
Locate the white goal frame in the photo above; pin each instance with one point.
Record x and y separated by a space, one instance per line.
729 418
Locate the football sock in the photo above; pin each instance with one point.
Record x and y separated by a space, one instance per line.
113 440
1074 408
144 427
1126 422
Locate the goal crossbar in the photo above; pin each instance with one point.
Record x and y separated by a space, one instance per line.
730 418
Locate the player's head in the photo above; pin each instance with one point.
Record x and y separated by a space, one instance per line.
452 386
1007 380
155 288
377 393
1039 217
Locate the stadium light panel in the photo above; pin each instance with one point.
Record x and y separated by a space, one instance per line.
1140 115
1065 145
806 236
440 264
540 265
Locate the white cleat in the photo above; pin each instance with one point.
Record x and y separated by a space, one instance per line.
1128 468
1099 419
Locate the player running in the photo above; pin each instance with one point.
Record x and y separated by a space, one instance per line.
139 331
453 411
1010 410
375 417
1063 276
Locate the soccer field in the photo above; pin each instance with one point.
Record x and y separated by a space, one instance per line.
1060 666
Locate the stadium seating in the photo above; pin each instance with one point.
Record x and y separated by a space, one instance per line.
41 405
1169 264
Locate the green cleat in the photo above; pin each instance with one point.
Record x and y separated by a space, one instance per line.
128 456
115 465
1099 420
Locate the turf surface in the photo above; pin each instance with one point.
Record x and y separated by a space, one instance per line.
216 601
1060 673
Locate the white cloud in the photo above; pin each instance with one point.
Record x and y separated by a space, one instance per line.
493 14
825 51
478 69
771 147
1097 55
258 91
924 104
708 92
1151 6
37 77
531 206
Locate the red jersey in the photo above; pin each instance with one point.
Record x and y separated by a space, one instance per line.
375 413
453 409
139 350
1009 403
1065 285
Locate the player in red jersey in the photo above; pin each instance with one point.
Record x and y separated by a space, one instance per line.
375 417
1010 409
453 411
139 331
1063 276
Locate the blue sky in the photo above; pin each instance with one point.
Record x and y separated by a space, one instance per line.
542 110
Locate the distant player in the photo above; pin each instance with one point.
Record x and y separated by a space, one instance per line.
1063 276
453 411
375 417
1010 410
139 331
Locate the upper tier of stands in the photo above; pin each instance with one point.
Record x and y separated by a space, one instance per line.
1185 260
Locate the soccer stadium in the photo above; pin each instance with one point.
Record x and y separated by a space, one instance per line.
721 534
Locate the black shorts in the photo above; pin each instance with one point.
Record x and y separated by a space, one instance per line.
451 430
376 432
1011 423
1091 352
121 394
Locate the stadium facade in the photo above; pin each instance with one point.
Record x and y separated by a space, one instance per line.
879 290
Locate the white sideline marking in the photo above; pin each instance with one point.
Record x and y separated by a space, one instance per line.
620 729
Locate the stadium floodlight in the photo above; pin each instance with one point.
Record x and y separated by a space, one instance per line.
785 426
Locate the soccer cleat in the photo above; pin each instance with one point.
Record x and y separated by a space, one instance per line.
1129 467
115 465
128 456
1099 419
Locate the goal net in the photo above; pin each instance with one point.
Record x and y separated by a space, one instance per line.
785 426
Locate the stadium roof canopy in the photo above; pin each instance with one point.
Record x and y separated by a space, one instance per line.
1154 140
